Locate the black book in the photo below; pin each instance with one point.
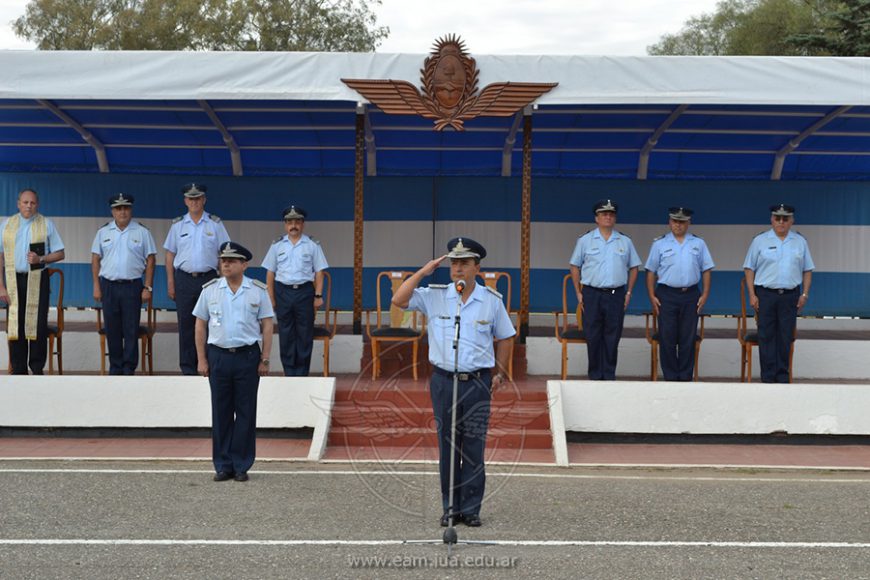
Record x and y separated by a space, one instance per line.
39 250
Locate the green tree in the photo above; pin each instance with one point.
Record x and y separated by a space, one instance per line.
845 31
287 25
748 27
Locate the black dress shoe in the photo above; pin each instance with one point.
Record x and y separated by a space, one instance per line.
241 476
445 519
472 521
223 476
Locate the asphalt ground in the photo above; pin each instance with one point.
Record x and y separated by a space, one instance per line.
164 519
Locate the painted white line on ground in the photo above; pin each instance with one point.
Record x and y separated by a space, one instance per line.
392 473
540 543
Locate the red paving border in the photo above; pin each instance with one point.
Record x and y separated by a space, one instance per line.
722 455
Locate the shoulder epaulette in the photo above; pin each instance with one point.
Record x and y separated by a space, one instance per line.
313 240
586 232
143 225
105 224
494 291
439 286
624 234
697 236
761 233
277 240
210 282
178 219
800 234
661 237
214 218
259 284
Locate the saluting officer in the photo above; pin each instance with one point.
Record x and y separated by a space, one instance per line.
606 263
777 264
677 262
481 368
191 246
122 250
294 276
234 312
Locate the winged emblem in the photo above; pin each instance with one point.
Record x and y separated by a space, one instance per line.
449 94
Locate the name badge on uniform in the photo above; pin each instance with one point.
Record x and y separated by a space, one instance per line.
621 250
208 233
282 254
182 235
107 240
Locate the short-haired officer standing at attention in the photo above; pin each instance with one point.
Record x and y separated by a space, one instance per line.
235 313
122 251
677 262
777 264
605 262
295 265
483 317
192 246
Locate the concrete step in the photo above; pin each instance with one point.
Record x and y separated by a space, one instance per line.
385 414
426 437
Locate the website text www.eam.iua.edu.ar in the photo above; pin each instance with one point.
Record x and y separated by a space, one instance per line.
411 562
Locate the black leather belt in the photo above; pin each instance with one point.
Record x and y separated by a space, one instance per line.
197 274
675 289
296 286
463 376
238 349
778 290
122 281
606 290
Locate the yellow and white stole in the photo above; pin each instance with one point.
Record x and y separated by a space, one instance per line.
38 230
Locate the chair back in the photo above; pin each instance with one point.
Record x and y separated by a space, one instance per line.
325 308
395 315
59 302
570 304
743 319
501 283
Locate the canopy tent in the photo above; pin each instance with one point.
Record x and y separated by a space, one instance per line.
290 114
726 136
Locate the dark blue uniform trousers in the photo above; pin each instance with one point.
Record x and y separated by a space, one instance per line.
294 308
122 305
777 316
234 382
22 349
603 315
472 421
678 326
187 291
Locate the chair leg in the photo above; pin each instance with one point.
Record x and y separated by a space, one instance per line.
326 358
374 359
510 369
50 354
60 354
697 356
150 355
414 351
654 363
102 354
564 360
790 361
749 364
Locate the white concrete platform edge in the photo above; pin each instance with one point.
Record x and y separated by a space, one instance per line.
711 408
154 402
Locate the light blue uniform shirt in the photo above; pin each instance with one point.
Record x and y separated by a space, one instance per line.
604 263
482 318
53 243
123 252
679 265
196 246
233 319
779 264
295 263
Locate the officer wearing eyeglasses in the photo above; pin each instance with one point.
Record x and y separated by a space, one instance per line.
779 272
192 247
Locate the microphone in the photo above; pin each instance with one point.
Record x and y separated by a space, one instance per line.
459 285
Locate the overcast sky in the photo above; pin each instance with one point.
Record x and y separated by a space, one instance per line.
613 27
